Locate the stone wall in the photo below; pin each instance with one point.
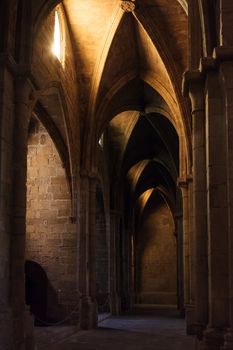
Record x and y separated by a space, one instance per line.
156 255
50 237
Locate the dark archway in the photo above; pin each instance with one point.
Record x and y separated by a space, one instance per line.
39 294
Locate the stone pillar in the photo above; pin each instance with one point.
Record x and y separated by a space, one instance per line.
186 187
180 261
6 129
131 268
226 71
195 37
125 272
193 85
225 22
190 315
186 256
217 212
122 266
22 322
132 259
86 263
114 262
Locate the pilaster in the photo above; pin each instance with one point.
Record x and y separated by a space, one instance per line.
22 320
180 260
6 131
218 97
188 256
217 213
15 90
226 73
194 87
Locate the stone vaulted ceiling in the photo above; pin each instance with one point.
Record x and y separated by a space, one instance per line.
129 70
116 54
110 43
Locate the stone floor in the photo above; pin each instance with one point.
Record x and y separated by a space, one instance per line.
143 328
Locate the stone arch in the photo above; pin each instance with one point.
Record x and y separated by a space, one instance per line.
60 133
107 112
184 4
182 106
43 11
45 7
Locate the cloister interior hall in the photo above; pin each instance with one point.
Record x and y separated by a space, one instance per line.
116 174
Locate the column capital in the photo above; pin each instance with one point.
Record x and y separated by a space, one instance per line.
191 77
193 86
207 64
183 182
223 53
220 54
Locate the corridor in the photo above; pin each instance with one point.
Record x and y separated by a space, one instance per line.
144 328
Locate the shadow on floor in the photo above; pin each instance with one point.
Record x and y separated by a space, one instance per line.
142 329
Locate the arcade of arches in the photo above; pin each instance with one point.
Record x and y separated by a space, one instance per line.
116 161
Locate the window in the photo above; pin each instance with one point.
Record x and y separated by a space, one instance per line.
101 141
58 39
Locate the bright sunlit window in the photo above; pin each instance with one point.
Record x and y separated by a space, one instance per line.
101 141
57 41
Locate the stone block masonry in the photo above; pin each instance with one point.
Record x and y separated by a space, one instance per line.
50 238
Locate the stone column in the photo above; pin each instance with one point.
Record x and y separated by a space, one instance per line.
225 22
125 272
6 130
22 324
186 187
114 262
180 262
186 257
130 242
226 71
193 85
132 260
87 274
217 212
131 268
191 307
